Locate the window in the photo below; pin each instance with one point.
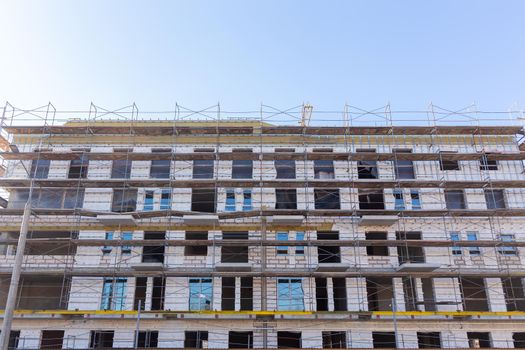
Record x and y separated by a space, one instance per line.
285 199
429 340
328 254
228 293
165 199
519 340
247 200
126 236
246 293
321 294
479 339
242 168
290 294
230 200
399 201
203 169
153 254
514 293
78 168
327 199
141 286
384 340
288 340
101 339
495 199
282 236
473 236
455 199
113 294
455 237
234 254
299 250
203 200
367 169
446 163
48 198
285 169
124 200
334 340
240 340
160 168
196 339
474 294
39 169
121 168
324 169
200 294
339 289
107 249
14 338
409 254
379 292
376 250
196 250
487 164
507 250
404 169
148 339
416 201
148 200
371 199
52 339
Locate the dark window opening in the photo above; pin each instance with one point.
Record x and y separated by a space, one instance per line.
101 339
324 169
429 299
203 168
285 199
376 250
160 169
321 294
153 254
41 293
196 250
124 200
487 164
409 254
234 254
121 168
39 168
429 340
78 168
47 198
455 199
49 248
474 294
371 199
367 169
157 293
52 339
242 168
148 339
140 293
479 339
14 338
410 293
328 254
288 340
519 340
334 340
379 291
447 164
514 294
339 285
228 293
285 169
327 199
495 199
240 340
203 200
194 339
246 293
404 169
384 340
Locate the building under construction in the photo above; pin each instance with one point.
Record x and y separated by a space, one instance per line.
264 229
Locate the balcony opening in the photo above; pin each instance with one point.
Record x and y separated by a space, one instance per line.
240 340
327 199
141 284
148 339
474 294
514 294
52 339
321 294
486 164
285 198
124 200
404 169
288 340
246 293
196 339
153 254
160 169
334 340
379 291
328 254
371 199
495 199
455 199
429 340
410 293
234 254
228 293
376 250
196 249
340 303
384 340
203 200
519 340
429 299
49 247
101 339
157 293
447 164
367 169
121 168
37 293
78 168
479 340
409 254
242 168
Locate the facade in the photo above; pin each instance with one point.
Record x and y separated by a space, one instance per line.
239 234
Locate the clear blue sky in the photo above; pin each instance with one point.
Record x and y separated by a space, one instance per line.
282 53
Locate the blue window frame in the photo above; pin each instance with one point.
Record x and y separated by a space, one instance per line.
107 248
416 201
454 237
507 250
247 200
299 250
399 202
200 293
473 236
230 200
126 236
113 294
290 294
148 200
165 200
282 236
